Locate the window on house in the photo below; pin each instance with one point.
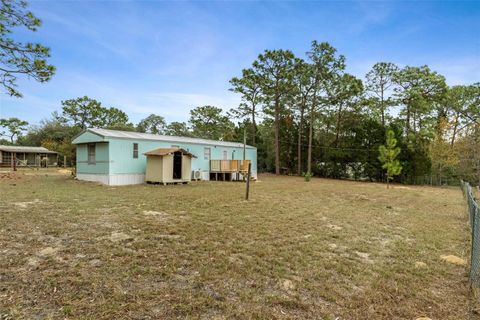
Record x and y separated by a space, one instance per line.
206 153
91 153
225 155
135 151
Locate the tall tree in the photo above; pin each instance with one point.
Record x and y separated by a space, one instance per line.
345 92
14 127
379 83
388 156
455 101
418 88
472 116
275 69
152 124
443 157
326 66
82 112
114 118
249 86
19 58
86 112
178 129
471 104
304 81
209 122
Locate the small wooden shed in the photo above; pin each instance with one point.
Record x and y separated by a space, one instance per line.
168 165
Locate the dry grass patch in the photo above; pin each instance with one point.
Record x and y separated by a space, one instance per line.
320 250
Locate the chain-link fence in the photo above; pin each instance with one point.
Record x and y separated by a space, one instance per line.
434 180
474 216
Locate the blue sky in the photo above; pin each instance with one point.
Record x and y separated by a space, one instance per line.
168 57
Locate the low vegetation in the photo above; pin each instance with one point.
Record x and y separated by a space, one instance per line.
326 249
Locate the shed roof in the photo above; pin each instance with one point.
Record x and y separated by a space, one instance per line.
158 137
167 151
22 149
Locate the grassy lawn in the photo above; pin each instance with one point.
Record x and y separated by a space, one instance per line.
321 250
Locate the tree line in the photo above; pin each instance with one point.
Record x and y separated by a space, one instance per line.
319 119
57 132
308 115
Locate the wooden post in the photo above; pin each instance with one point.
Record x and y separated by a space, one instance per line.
14 161
248 180
64 161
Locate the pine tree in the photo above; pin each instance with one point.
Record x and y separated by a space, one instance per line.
388 156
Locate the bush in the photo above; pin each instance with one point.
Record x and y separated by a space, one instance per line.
307 176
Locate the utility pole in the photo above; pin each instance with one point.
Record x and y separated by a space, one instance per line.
244 142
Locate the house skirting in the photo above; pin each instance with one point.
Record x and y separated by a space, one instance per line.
120 179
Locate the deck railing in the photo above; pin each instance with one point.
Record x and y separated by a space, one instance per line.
229 165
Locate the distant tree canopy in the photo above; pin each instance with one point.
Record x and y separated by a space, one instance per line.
308 115
317 118
152 124
85 112
54 134
178 129
20 58
14 127
210 123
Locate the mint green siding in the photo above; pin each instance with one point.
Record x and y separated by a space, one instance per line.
121 153
122 161
101 164
88 137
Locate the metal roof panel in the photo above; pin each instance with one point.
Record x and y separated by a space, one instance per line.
157 137
25 149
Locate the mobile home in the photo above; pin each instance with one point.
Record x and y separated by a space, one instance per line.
115 157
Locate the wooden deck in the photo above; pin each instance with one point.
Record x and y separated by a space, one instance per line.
228 170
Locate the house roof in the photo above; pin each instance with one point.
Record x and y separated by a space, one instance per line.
21 149
167 151
157 137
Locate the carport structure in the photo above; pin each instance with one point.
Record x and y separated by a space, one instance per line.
19 156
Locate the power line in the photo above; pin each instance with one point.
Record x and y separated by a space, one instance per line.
322 147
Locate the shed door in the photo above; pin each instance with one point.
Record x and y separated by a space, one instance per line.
177 165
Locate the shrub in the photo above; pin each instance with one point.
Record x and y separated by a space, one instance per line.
307 176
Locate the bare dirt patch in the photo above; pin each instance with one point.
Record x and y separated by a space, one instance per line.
334 227
155 213
27 204
454 260
120 237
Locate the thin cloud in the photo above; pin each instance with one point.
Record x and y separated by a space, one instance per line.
462 71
